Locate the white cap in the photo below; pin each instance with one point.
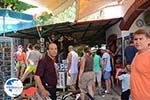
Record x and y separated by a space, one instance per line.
103 48
93 49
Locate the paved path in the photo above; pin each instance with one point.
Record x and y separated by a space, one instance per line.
113 96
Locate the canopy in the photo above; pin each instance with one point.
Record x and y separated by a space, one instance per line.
13 21
78 31
83 9
55 6
87 7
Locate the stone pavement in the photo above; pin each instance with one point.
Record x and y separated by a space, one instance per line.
113 96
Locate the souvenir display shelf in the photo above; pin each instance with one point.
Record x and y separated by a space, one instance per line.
62 69
5 64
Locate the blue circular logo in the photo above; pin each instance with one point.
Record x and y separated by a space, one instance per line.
13 87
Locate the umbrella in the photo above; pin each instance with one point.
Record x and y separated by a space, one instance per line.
13 21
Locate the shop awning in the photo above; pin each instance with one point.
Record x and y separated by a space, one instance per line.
13 21
83 7
87 7
55 6
86 31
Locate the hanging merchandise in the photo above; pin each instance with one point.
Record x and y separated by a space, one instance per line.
10 21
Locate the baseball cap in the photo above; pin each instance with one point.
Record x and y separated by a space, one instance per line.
103 48
93 49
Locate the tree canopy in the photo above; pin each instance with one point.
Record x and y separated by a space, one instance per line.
15 5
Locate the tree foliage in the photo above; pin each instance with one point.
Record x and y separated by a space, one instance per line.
67 15
16 5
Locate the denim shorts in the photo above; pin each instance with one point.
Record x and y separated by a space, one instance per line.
107 75
20 64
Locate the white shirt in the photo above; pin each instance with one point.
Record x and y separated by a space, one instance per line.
108 64
125 78
74 63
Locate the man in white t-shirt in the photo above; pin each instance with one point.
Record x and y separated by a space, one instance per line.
72 67
33 58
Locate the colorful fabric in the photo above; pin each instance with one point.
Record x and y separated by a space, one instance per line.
20 64
31 68
21 57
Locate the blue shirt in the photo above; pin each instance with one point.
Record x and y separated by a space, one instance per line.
129 54
108 64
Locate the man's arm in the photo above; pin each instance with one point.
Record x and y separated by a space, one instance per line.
37 77
104 62
69 60
100 61
82 65
38 81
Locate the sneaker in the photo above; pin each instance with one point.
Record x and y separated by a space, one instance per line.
77 96
106 92
103 96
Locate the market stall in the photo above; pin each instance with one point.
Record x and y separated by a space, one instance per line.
10 21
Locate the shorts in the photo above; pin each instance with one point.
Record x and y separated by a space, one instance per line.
107 75
72 79
20 64
31 68
87 79
98 76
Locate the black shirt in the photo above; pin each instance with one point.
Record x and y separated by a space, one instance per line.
47 72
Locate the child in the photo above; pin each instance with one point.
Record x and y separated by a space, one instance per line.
125 78
119 69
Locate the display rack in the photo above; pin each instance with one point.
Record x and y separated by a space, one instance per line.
62 74
7 62
5 66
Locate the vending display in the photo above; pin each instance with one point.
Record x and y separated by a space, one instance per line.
62 74
5 64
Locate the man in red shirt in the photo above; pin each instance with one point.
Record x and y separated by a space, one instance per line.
140 67
45 76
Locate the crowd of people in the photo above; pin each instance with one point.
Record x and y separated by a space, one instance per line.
93 67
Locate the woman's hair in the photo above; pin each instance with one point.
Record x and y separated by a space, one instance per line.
30 46
37 47
142 31
20 46
98 52
87 50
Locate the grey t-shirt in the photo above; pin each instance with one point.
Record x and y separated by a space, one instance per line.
34 57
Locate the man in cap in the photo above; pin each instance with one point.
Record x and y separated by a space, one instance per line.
106 64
